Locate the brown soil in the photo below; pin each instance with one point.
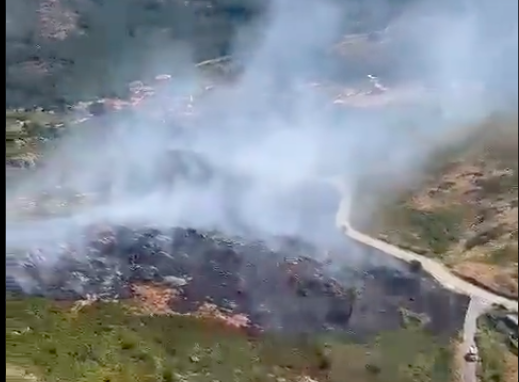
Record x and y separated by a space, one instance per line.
496 279
511 362
151 299
459 360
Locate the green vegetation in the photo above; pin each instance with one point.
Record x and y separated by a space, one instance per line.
503 255
25 133
493 345
407 355
34 117
433 232
438 229
412 320
463 208
107 342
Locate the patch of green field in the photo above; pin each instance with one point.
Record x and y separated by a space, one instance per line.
106 342
493 345
407 355
430 233
25 132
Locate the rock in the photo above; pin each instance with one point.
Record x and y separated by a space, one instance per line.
163 77
174 281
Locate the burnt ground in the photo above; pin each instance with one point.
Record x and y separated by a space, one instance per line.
282 289
280 283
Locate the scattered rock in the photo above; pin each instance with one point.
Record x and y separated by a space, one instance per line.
243 282
174 281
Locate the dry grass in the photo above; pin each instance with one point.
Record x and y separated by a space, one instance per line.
153 299
466 209
18 374
495 277
511 363
459 360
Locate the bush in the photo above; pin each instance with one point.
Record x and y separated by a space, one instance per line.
415 266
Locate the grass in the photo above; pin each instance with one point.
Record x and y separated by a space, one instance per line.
407 355
491 351
494 348
25 133
411 319
106 342
464 211
434 230
503 255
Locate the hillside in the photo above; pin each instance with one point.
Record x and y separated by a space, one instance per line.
497 341
394 305
114 342
464 209
59 52
91 299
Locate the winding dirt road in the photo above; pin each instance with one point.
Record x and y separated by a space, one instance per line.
481 300
437 270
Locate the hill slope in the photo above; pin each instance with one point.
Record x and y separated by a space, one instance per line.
107 342
465 209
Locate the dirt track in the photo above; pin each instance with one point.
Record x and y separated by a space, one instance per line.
440 272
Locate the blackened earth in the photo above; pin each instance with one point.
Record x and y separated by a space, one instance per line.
282 289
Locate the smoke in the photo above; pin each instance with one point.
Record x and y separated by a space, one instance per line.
261 152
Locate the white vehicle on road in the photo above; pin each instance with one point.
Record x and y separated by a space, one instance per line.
472 354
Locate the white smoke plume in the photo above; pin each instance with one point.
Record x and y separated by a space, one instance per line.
276 138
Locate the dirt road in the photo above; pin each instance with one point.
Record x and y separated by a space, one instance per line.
437 270
475 309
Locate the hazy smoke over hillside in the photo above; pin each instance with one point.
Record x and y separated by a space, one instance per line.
267 140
